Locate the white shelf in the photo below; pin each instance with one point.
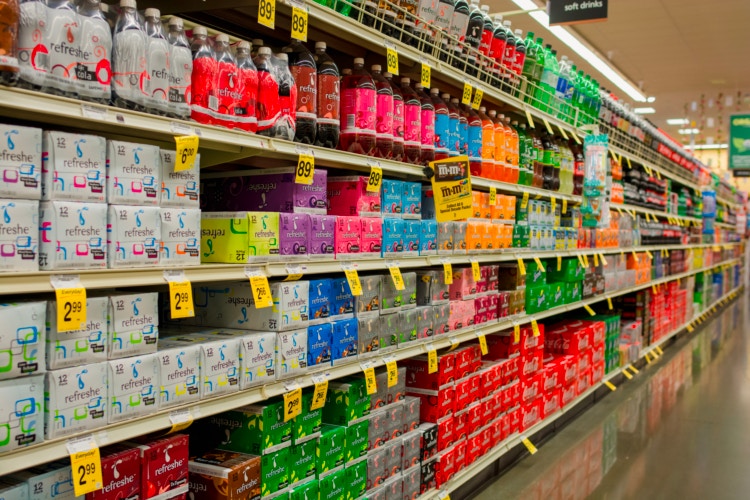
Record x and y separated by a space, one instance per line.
516 439
55 449
39 282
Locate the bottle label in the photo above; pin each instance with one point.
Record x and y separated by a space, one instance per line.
129 65
62 39
475 141
444 16
94 73
384 119
509 58
463 139
269 107
486 42
519 60
398 119
427 13
305 78
180 74
500 146
442 130
358 110
158 73
474 31
488 140
33 56
204 72
328 99
427 118
459 23
497 49
412 123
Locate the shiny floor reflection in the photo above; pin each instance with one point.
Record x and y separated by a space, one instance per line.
679 430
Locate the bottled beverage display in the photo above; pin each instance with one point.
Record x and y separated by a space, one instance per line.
9 18
247 75
488 144
33 56
509 58
398 120
427 125
475 26
412 123
443 19
156 84
497 48
181 70
442 125
488 30
457 29
512 152
463 127
525 169
93 71
537 156
329 97
384 114
304 71
499 143
358 113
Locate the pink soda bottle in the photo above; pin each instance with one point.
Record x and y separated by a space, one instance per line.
248 76
398 120
358 96
412 123
225 87
203 76
427 121
384 114
268 108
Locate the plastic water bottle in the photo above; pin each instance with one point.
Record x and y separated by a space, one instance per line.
475 141
285 126
454 134
158 64
128 58
329 98
9 14
412 123
202 77
427 125
304 71
358 96
180 70
94 70
62 38
247 75
268 108
488 144
384 114
33 56
442 125
398 120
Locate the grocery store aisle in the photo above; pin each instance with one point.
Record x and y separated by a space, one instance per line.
679 429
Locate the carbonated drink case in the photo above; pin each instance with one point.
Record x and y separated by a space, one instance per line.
358 97
329 98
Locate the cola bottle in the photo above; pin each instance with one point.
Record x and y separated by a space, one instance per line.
304 71
329 98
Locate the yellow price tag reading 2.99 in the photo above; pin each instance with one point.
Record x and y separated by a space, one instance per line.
299 23
305 169
261 291
292 404
187 150
71 308
181 299
85 464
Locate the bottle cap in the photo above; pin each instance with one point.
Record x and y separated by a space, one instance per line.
454 100
435 90
151 12
222 38
446 96
199 30
173 21
264 51
388 75
359 60
127 3
518 33
244 45
283 56
482 109
484 8
406 80
320 45
376 67
506 24
103 7
492 113
497 18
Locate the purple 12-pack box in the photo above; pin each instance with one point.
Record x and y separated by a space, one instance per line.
321 237
268 190
294 230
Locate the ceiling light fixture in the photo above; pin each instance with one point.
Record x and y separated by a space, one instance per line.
651 99
584 52
678 121
707 146
644 111
688 131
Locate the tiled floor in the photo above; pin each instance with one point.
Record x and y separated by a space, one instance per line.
679 430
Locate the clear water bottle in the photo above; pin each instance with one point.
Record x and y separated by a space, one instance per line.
180 69
93 69
128 58
157 65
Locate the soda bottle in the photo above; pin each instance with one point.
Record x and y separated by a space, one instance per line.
548 162
180 70
457 29
578 167
567 168
247 75
475 26
398 120
9 14
358 96
561 92
156 88
463 128
442 125
405 21
520 59
509 58
225 98
304 71
497 48
109 15
488 144
268 104
61 36
33 56
386 18
93 68
255 44
535 93
427 125
537 155
549 80
443 20
128 58
454 134
499 141
488 30
329 96
384 114
511 152
412 123
524 156
475 141
285 126
529 66
426 14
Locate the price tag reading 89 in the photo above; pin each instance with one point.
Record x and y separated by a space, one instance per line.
267 13
299 23
305 169
466 96
375 179
426 75
391 58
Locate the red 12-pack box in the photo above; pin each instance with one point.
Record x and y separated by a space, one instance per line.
502 346
434 405
551 402
491 378
531 342
531 388
532 362
164 464
121 474
511 369
417 372
531 413
468 360
446 429
552 374
568 394
563 339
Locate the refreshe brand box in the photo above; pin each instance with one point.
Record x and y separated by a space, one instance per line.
274 471
164 464
180 237
219 362
294 231
256 429
257 355
21 412
72 235
133 174
19 235
179 189
319 338
291 352
133 385
21 162
179 374
133 324
349 196
74 167
239 237
345 343
78 347
121 474
306 425
22 339
320 300
322 236
302 461
224 475
75 400
331 449
133 236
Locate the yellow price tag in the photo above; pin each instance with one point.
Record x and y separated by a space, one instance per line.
648 170
86 466
609 303
564 206
525 200
71 309
650 255
535 328
493 196
659 350
516 334
392 369
654 289
299 23
658 174
530 119
181 420
627 374
475 271
603 259
532 449
633 369
293 277
630 165
648 358
521 267
539 264
559 262
181 299
589 310
690 328
432 361
466 96
563 133
585 260
352 277
426 75
187 150
447 273
375 180
655 354
549 127
553 202
580 260
398 280
319 393
483 344
267 13
391 59
596 260
635 256
305 169
610 385
292 404
478 94
370 381
575 137
261 291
